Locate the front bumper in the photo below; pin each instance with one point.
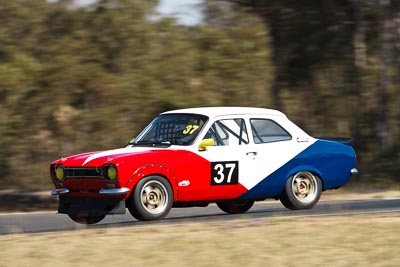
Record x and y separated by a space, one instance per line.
109 191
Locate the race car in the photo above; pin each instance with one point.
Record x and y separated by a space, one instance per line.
231 156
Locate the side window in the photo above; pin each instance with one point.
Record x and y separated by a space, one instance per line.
266 131
228 132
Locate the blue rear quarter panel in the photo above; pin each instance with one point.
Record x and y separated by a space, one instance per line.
331 161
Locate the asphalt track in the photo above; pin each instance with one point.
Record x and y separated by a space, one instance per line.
40 222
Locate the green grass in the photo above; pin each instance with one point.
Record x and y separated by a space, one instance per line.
358 240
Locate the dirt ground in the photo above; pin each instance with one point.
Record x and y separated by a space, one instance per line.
348 240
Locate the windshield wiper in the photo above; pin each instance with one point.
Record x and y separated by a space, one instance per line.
152 143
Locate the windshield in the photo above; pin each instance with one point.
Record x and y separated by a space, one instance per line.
172 129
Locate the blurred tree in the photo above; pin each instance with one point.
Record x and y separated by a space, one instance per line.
234 49
334 68
80 79
386 39
73 80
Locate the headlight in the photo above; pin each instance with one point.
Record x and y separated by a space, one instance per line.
111 173
59 172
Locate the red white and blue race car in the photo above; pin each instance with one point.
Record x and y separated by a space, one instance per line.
192 157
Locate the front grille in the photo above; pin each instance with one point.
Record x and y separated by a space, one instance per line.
83 172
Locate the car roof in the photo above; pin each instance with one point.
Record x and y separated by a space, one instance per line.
220 111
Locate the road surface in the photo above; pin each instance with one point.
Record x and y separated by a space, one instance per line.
38 222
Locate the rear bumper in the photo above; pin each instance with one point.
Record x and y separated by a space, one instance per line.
353 171
91 206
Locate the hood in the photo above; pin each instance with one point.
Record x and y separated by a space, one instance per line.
99 158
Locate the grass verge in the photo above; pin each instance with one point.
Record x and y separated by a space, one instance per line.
356 240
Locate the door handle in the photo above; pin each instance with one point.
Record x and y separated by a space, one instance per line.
302 139
253 153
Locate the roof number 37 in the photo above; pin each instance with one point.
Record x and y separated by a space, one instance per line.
224 172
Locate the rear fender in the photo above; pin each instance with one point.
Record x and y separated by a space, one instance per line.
307 169
153 169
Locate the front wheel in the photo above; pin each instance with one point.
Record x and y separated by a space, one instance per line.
86 219
237 206
302 191
151 199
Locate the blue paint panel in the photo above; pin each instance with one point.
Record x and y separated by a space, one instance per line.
332 162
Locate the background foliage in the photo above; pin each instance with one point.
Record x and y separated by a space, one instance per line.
76 80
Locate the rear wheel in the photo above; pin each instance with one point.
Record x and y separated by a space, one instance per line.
86 219
237 206
151 199
302 191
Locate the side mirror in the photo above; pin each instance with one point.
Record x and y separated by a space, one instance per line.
127 143
205 143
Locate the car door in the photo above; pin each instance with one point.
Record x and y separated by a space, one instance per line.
229 160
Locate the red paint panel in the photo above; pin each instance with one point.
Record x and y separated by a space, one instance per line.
87 187
175 165
185 166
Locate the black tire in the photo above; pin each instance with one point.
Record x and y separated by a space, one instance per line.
302 191
151 199
237 206
86 219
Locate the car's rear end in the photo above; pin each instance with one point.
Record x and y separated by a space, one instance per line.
336 161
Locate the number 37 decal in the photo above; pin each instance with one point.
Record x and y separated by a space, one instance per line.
224 172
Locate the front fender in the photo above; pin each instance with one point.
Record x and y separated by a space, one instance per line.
153 169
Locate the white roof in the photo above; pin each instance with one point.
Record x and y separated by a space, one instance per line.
219 111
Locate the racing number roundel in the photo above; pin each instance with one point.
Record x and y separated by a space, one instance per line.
224 172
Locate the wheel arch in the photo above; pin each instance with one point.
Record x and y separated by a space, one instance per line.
149 170
306 168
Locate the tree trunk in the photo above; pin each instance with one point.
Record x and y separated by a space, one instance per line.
382 123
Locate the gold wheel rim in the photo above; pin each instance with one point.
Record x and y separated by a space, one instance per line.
154 197
304 187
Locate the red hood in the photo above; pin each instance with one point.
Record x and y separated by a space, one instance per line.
99 158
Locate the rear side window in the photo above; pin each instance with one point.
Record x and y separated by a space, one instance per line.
266 131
